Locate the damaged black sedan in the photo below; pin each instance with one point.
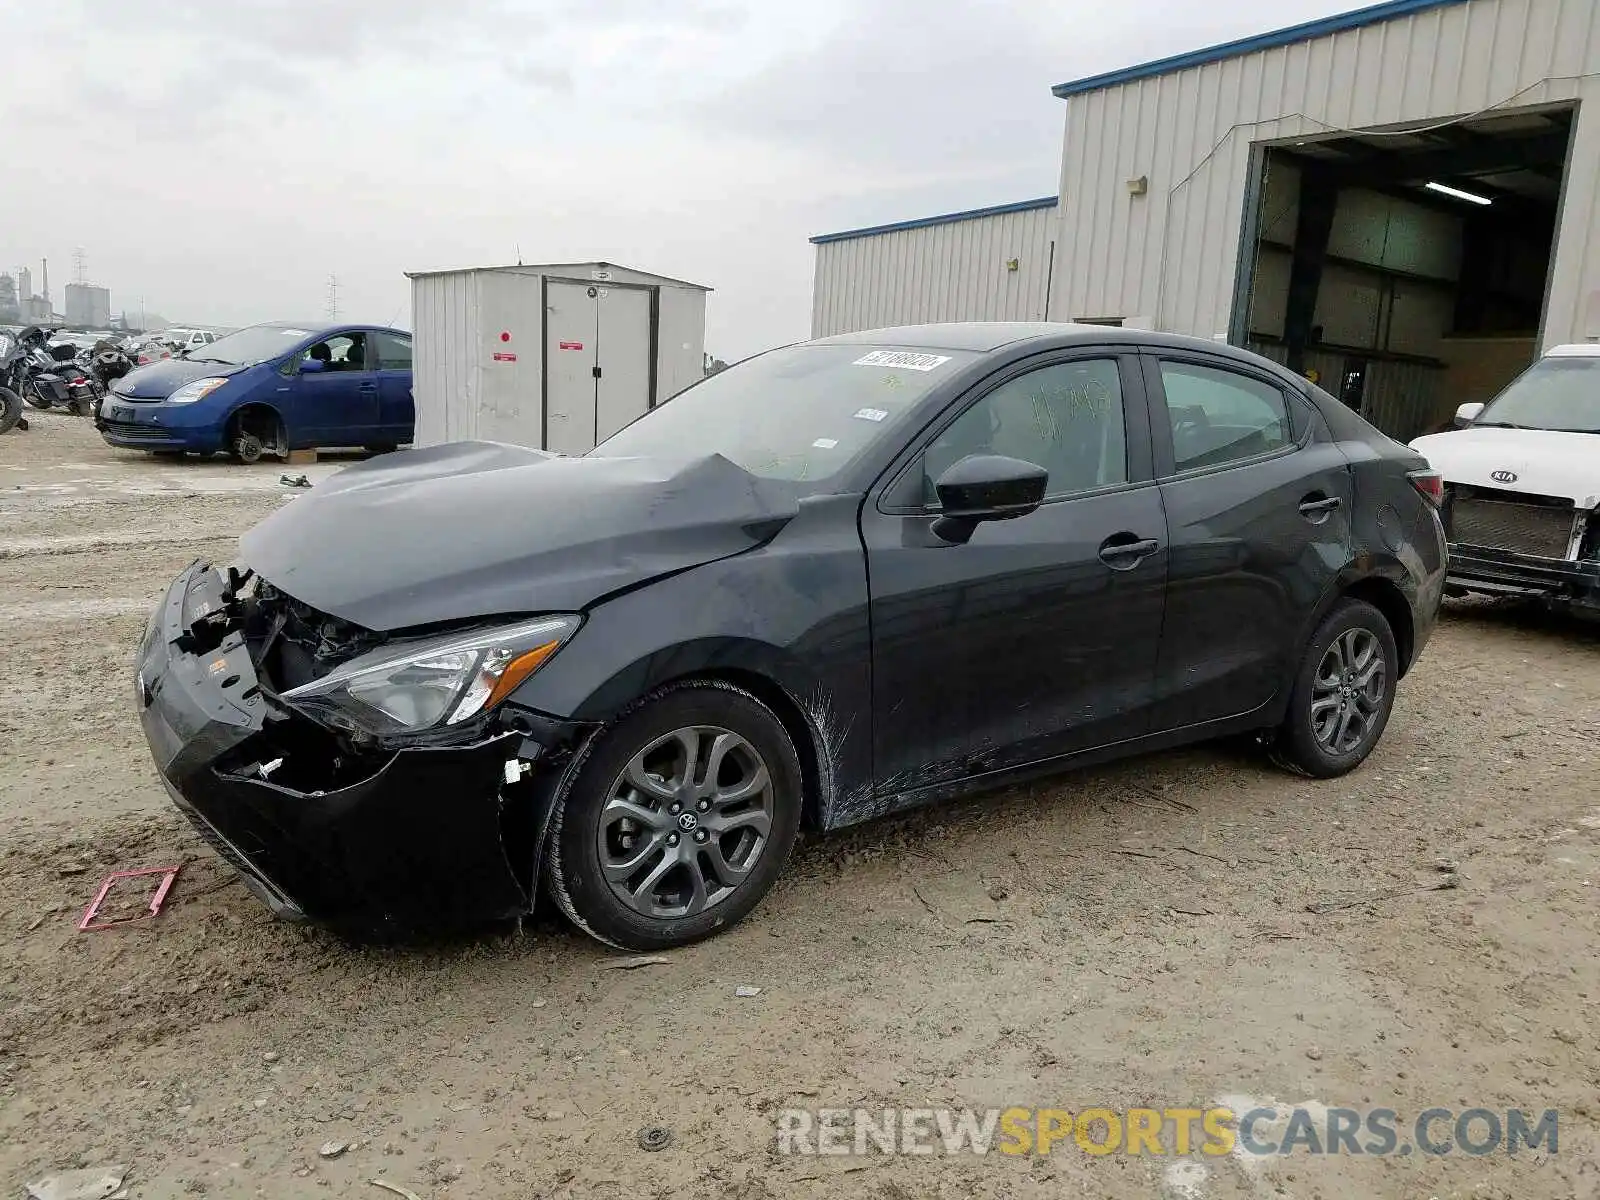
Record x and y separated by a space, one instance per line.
837 580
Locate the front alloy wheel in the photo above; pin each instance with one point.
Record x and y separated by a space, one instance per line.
687 820
678 819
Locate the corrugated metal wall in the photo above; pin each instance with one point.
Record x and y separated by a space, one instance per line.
1399 397
681 337
444 368
954 271
1169 259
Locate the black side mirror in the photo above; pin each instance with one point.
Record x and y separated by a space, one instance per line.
986 487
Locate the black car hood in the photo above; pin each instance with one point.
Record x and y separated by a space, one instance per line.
477 529
158 380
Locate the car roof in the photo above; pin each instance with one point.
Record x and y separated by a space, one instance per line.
1574 350
987 336
314 328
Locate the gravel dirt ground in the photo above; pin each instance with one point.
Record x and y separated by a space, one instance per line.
1136 935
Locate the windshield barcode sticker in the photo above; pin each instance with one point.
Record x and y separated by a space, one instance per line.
902 359
871 414
825 443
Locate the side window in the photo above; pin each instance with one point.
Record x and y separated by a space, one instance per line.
342 352
1220 417
1066 418
394 353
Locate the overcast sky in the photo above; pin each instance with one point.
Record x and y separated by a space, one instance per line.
221 158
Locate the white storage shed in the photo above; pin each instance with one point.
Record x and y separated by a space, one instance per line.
556 356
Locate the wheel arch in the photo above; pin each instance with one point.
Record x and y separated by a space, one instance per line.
800 704
1378 585
800 727
250 410
1384 594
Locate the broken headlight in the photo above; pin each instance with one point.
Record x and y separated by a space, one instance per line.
417 685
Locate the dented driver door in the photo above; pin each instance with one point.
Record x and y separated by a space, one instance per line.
1038 637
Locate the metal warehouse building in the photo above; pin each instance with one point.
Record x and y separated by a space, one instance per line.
1400 202
990 264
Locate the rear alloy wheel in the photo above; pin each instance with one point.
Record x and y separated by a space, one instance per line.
1343 694
678 819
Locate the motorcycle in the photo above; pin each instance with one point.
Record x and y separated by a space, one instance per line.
12 353
109 362
54 377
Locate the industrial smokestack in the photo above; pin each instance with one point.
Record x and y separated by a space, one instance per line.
44 281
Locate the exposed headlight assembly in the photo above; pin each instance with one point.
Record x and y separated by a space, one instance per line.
419 685
198 390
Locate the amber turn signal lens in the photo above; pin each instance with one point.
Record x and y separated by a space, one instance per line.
518 669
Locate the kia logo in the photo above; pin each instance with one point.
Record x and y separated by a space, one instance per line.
1504 476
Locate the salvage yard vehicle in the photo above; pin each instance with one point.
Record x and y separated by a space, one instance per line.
13 355
269 389
1521 503
836 580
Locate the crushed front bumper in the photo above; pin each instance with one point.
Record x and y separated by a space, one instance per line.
1505 572
431 838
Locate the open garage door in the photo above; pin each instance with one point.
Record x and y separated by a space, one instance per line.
1406 272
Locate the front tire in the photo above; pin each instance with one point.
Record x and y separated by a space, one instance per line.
677 819
1343 694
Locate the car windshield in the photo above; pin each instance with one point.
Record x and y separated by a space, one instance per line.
250 346
1555 393
800 413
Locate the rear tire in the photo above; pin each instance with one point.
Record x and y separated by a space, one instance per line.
654 876
10 409
1343 694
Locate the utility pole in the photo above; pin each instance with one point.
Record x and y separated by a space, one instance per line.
333 297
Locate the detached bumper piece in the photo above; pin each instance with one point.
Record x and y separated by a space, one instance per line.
384 843
1509 573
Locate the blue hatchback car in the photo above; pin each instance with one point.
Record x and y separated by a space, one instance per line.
269 389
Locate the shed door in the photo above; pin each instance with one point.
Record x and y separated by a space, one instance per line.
624 379
571 346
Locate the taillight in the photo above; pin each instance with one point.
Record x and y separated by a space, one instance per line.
1430 484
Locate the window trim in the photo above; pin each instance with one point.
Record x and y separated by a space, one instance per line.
1300 432
1135 425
